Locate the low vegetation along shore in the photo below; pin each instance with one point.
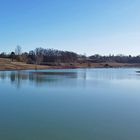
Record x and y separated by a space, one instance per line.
41 58
8 64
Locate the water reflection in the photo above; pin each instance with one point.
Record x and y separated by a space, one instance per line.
113 74
70 78
94 108
38 77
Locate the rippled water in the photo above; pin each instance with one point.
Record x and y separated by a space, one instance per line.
78 104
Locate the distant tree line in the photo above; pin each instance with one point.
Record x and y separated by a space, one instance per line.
46 56
43 56
115 58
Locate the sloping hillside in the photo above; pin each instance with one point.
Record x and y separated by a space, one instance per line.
7 64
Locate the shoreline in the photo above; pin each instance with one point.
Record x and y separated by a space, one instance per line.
8 65
57 68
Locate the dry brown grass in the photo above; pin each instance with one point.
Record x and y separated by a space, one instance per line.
7 64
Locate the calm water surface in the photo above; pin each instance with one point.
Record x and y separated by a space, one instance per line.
79 104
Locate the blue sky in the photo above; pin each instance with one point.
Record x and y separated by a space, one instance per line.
83 26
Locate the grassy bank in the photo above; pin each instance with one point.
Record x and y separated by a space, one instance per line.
7 64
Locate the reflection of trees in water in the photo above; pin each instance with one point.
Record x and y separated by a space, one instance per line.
3 75
51 78
12 77
64 78
39 79
19 77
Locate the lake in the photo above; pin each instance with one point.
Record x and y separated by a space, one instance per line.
77 104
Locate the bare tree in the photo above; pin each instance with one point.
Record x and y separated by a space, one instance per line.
18 50
39 55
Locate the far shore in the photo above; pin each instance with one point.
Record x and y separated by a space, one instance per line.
8 65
